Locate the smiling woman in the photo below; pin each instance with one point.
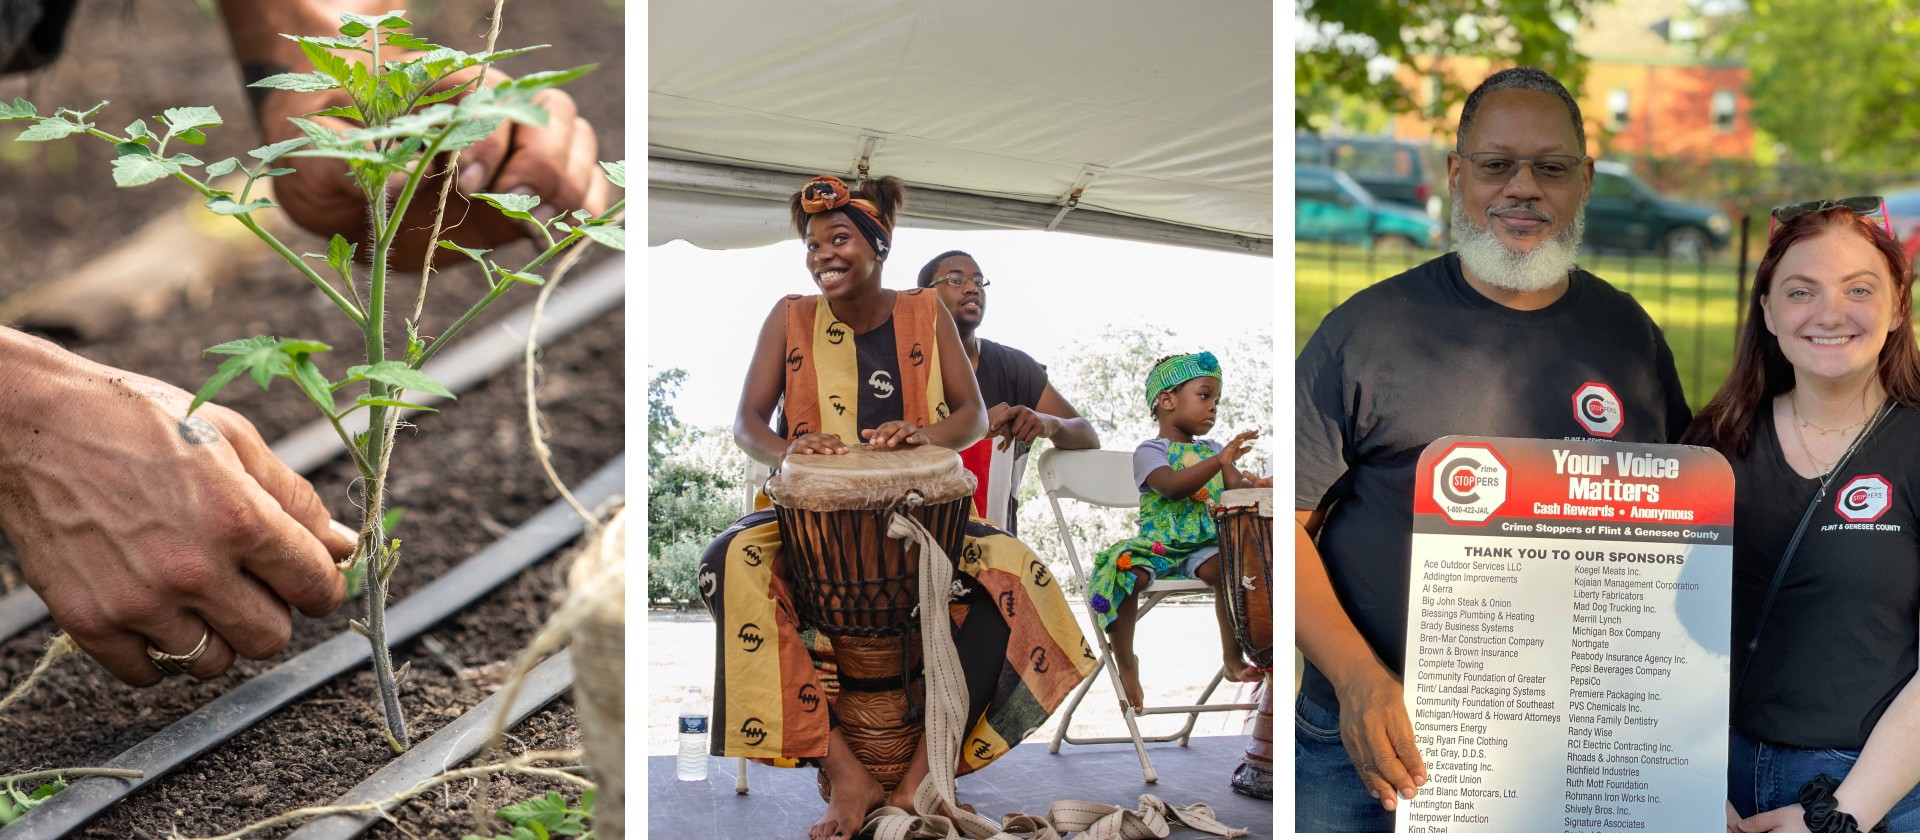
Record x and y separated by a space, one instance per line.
1818 420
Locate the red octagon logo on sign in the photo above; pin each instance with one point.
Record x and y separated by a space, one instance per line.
1598 410
1469 483
1864 499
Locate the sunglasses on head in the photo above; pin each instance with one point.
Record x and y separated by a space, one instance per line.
1861 205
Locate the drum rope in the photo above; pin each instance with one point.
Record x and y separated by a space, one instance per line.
946 706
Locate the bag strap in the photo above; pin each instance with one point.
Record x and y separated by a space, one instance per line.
1780 571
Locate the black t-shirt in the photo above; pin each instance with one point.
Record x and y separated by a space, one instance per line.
1842 637
1010 376
1422 355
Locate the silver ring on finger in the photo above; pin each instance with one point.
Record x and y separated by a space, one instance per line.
176 664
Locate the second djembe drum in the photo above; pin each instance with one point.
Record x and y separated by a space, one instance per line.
859 586
1245 520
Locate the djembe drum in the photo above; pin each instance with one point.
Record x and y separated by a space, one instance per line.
860 587
1245 520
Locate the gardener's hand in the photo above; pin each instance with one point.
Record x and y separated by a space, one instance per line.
558 162
139 525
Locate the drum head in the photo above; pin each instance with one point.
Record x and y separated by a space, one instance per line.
870 478
1260 497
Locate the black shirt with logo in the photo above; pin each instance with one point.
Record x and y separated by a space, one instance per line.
1422 355
1844 632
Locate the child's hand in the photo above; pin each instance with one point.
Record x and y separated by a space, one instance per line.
817 443
895 433
1240 445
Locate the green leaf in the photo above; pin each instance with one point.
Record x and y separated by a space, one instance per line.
134 149
543 80
320 135
193 136
616 172
222 167
226 373
312 382
299 82
226 206
409 42
303 345
348 111
468 133
546 810
270 153
477 255
612 236
82 116
137 130
52 128
332 66
331 43
132 171
518 110
399 375
275 173
442 95
511 204
238 346
340 256
369 399
183 159
529 279
21 109
390 20
391 519
180 120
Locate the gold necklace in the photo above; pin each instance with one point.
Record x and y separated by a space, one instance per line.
1793 405
1793 398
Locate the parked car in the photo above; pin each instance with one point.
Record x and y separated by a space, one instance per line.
1624 215
1329 206
1903 217
1392 170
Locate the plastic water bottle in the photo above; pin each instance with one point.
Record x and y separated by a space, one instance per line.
693 737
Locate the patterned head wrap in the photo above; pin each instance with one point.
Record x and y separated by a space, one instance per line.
829 193
1173 372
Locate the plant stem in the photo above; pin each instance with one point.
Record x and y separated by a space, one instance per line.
70 771
379 450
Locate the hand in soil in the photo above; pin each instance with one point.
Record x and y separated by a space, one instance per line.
137 526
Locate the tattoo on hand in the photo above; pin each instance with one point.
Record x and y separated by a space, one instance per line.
197 431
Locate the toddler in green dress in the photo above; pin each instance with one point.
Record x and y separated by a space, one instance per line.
1178 473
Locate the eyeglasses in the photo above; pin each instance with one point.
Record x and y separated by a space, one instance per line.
957 279
1500 167
1861 205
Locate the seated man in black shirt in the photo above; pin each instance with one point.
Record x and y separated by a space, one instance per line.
1021 405
1496 340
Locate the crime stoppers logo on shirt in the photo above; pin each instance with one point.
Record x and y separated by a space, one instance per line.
1597 408
1469 483
1864 499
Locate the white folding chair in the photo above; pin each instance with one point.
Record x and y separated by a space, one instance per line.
1105 478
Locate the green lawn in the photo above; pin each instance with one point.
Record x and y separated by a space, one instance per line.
1694 305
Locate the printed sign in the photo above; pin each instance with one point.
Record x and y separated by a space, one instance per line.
1567 633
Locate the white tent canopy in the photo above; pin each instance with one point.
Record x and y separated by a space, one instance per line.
1139 119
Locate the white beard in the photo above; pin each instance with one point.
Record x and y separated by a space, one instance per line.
1548 263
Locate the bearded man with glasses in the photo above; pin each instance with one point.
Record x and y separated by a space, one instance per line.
1021 405
1505 337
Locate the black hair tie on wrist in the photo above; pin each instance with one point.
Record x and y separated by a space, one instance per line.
1822 812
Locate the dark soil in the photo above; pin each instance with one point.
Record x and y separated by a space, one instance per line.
465 477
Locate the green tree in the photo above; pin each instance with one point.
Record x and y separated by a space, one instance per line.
692 493
1832 93
1341 38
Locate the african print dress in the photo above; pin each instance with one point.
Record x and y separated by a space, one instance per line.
1170 531
775 680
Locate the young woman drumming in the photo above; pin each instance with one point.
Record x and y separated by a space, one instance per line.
859 363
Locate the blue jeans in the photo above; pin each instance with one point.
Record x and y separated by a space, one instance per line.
1328 795
1763 776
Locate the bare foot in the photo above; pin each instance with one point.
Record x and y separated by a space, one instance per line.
1130 681
1239 670
847 812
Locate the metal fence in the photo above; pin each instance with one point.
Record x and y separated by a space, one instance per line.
1696 304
